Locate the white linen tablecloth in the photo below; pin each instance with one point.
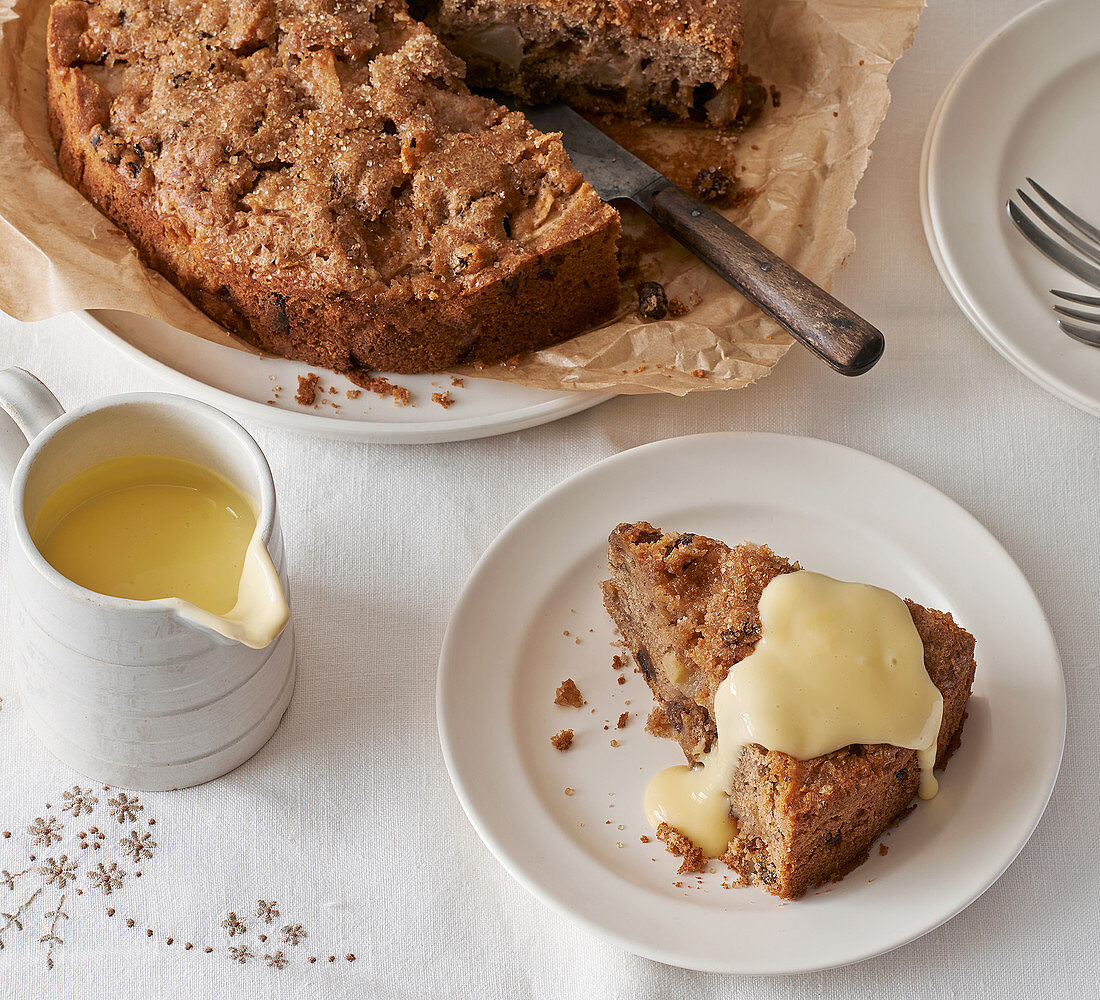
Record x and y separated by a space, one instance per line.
346 823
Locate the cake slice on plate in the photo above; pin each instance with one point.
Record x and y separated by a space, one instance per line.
688 608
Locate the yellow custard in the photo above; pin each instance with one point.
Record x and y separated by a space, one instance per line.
146 527
837 663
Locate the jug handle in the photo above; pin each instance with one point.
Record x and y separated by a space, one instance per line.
27 408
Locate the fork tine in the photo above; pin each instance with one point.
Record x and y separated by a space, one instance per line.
1088 273
1085 300
1071 217
1071 238
1090 337
1078 314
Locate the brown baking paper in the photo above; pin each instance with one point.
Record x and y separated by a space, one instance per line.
828 60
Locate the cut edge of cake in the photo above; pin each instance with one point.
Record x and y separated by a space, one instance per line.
652 60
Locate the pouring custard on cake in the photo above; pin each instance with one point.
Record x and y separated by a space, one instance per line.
811 710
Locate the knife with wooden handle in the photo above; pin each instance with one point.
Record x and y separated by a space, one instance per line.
838 336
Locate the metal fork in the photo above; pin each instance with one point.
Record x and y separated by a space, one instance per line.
1083 264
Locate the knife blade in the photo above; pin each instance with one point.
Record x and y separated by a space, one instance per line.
836 334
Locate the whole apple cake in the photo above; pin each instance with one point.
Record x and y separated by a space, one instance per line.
316 176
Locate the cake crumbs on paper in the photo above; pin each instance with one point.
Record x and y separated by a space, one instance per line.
676 843
677 308
444 399
354 393
562 741
623 720
458 383
568 695
617 662
698 373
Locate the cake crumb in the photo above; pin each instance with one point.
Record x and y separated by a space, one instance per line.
644 839
381 386
354 393
332 390
622 679
307 389
614 743
652 301
676 843
712 184
444 399
677 308
883 849
563 740
457 382
698 373
623 720
568 694
617 662
569 791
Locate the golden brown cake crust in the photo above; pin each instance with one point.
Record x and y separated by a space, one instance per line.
316 177
687 607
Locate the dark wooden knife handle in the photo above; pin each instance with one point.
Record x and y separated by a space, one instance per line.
810 314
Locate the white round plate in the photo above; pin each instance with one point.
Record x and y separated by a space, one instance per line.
245 385
1023 105
514 637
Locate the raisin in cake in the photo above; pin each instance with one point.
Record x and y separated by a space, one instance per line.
687 607
315 175
671 60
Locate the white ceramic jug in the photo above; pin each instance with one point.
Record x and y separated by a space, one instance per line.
149 695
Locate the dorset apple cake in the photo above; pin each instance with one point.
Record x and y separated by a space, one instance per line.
316 176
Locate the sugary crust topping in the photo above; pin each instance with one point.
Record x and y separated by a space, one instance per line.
317 145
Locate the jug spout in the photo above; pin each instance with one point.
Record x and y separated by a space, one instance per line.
261 612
